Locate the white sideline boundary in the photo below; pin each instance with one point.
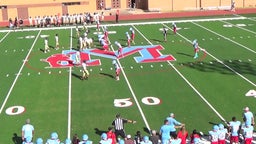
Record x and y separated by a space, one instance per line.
128 24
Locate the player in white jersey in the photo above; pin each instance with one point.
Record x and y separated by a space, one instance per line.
57 45
248 116
39 141
54 139
28 140
174 28
223 132
128 39
214 134
132 35
234 127
27 130
77 58
85 71
81 43
46 46
104 139
120 49
85 140
247 132
117 69
77 31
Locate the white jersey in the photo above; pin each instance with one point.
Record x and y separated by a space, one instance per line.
118 45
45 42
28 130
56 39
84 65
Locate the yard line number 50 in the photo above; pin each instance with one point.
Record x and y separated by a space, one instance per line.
126 102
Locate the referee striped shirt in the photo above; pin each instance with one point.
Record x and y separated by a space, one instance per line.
119 123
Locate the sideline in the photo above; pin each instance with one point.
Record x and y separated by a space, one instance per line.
19 73
127 24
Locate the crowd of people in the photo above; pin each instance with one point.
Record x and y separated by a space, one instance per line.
234 131
58 20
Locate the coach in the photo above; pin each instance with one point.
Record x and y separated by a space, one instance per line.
118 124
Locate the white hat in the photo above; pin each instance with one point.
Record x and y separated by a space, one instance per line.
128 136
171 114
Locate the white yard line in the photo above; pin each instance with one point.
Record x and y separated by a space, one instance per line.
70 90
201 96
133 94
220 60
5 36
238 27
225 37
18 74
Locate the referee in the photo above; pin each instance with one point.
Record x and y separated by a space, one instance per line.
118 124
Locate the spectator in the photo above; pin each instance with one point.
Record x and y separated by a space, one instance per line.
129 140
233 6
195 137
165 33
234 127
85 140
54 139
165 132
248 116
118 124
175 139
154 137
75 139
117 15
146 140
68 141
183 134
104 139
39 141
27 130
138 137
111 135
173 123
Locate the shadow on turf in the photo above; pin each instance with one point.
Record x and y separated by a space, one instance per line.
109 75
99 132
185 54
157 40
242 67
76 75
16 139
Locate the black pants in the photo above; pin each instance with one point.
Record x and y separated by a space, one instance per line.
117 18
119 133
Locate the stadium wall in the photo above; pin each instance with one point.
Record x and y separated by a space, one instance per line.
26 8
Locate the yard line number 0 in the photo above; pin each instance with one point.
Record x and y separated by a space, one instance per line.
126 102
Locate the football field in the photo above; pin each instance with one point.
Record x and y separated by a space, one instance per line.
157 77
